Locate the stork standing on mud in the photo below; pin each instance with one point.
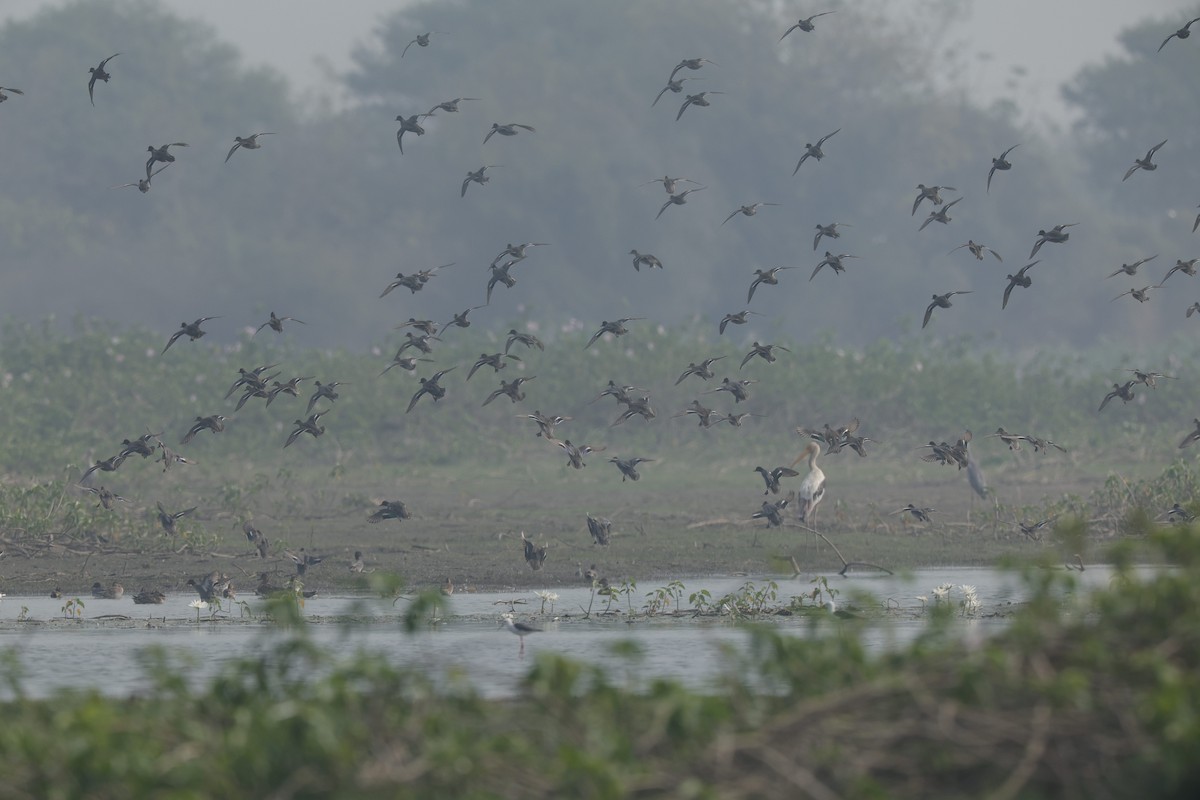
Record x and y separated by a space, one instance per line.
812 488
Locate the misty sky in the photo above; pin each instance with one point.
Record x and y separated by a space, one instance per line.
307 39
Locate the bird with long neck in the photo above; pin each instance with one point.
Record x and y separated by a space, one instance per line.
812 488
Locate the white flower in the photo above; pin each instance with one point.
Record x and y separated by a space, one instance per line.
924 599
197 604
941 592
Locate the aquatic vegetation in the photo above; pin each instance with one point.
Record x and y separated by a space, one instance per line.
1103 703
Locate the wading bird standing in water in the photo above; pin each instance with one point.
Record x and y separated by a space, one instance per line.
521 629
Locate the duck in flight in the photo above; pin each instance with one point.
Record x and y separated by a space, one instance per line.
409 125
1180 34
768 276
1146 163
814 151
977 249
830 230
1020 279
98 74
507 130
142 184
1056 235
1002 163
939 301
161 154
1131 269
700 100
941 215
690 63
422 40
276 323
674 86
930 193
477 176
678 199
805 25
249 142
190 330
648 259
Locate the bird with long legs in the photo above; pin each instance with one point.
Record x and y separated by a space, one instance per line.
812 488
521 629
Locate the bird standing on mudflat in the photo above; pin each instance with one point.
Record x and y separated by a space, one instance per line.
812 488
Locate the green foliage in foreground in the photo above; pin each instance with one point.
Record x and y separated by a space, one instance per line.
1080 696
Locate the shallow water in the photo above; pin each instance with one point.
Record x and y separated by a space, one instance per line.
104 653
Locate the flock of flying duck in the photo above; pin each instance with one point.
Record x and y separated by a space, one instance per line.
260 383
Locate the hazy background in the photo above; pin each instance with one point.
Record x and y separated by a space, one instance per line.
316 223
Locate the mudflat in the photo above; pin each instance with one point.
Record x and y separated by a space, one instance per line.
468 530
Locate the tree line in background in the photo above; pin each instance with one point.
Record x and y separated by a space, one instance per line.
318 221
